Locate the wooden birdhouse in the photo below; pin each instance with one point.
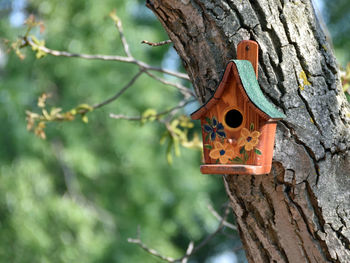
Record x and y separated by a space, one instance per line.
238 122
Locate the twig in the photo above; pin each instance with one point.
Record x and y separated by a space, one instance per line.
185 91
172 73
188 252
156 116
119 26
119 93
191 249
142 65
151 251
210 237
225 223
237 248
156 44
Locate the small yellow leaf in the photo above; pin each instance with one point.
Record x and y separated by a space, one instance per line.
55 111
41 125
149 115
42 100
46 115
85 106
85 119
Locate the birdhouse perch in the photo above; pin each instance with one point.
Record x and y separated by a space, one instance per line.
238 122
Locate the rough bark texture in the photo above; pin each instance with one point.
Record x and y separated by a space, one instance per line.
300 212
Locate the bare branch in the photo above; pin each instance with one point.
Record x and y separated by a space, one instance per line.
155 116
119 26
238 248
150 250
212 235
56 53
119 93
185 91
125 117
142 65
156 44
188 252
172 73
225 223
191 248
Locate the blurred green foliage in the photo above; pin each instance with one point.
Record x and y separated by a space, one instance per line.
337 18
78 195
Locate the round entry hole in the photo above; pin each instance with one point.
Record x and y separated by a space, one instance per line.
233 118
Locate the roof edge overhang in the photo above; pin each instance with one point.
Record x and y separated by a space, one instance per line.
225 81
214 99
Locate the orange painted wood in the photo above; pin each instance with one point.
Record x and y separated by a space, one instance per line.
234 169
249 50
229 95
226 79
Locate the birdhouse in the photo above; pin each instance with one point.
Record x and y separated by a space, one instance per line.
238 122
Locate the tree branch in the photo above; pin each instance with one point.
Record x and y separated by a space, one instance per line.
156 116
225 223
156 44
151 251
191 249
142 65
185 91
119 93
119 26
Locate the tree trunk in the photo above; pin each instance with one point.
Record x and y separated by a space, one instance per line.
300 212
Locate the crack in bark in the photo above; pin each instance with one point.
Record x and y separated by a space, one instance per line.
344 240
321 222
307 148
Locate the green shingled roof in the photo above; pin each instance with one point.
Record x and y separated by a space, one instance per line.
251 87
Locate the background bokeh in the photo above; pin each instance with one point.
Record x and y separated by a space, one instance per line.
78 195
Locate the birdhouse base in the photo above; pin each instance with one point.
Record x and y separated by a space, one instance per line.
234 169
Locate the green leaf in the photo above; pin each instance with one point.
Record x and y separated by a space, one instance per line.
217 160
168 152
207 137
242 150
252 127
208 120
257 151
238 160
347 96
149 115
177 147
246 156
165 135
208 146
84 106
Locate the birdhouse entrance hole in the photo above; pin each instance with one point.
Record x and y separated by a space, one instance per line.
233 118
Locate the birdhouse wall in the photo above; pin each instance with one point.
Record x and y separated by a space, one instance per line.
230 140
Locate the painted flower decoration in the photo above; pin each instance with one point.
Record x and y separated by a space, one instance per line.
248 139
222 152
214 128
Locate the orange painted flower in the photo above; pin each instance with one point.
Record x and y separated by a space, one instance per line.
222 152
248 139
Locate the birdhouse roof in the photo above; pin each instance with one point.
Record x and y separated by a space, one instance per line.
247 77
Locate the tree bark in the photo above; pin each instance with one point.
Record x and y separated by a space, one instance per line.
300 212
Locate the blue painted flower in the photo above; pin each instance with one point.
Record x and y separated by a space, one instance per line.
214 128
